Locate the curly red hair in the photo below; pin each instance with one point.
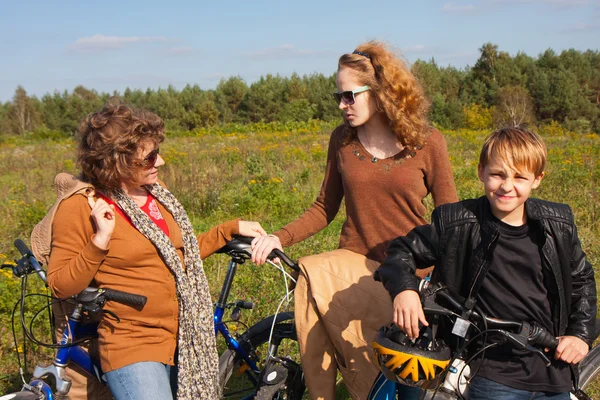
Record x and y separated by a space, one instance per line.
108 143
398 93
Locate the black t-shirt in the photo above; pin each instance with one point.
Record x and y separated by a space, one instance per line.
513 289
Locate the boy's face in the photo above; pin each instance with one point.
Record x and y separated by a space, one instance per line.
507 189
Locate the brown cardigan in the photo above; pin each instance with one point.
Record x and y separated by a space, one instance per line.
131 264
384 197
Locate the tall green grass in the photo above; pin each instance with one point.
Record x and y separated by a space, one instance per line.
269 173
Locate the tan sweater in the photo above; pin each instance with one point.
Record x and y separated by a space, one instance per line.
131 264
383 198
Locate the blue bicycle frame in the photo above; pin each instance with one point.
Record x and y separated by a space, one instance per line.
75 353
65 354
221 328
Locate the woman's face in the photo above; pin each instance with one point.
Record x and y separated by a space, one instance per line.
147 173
365 105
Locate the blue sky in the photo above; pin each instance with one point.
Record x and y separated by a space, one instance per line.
103 45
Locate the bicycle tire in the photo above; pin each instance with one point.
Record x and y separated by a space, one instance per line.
24 395
255 339
589 368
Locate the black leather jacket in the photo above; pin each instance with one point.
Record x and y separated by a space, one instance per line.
461 239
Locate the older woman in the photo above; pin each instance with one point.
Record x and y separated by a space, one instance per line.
134 236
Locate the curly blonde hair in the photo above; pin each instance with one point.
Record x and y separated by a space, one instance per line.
108 144
397 92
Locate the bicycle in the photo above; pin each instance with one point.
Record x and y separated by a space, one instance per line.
269 377
467 329
279 376
90 301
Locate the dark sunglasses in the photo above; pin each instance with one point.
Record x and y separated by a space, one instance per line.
348 96
148 161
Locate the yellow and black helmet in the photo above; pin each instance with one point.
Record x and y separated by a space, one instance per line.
412 363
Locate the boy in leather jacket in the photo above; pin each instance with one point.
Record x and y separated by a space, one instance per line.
517 257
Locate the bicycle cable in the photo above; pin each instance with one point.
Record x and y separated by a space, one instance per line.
28 334
286 298
458 352
14 333
286 275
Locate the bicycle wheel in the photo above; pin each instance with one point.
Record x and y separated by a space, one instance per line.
238 382
589 368
20 396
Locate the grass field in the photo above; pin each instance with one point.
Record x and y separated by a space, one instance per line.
269 173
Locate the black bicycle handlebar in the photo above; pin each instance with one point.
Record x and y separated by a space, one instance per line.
288 261
27 262
95 297
522 334
540 337
22 247
125 298
240 245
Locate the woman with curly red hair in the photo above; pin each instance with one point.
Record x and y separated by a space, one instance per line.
383 161
131 234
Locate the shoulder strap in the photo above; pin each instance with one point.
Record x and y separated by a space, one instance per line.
66 185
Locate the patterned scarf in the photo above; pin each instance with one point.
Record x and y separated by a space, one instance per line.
198 359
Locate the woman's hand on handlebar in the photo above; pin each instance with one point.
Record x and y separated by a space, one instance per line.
571 349
250 228
408 313
262 246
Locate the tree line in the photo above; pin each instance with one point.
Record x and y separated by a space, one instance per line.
499 89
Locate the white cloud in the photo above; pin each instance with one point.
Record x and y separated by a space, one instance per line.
285 51
104 43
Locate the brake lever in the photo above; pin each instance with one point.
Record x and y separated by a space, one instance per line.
540 353
112 314
521 341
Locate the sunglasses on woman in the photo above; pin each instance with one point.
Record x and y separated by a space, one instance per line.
148 161
348 96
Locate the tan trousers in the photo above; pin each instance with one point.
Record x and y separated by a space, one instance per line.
339 308
83 386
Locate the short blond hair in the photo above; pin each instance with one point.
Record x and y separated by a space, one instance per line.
521 149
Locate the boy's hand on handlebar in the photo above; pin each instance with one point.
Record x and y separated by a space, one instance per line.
408 312
571 349
103 215
262 247
250 228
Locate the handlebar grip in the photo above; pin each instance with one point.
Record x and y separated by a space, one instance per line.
125 298
29 260
274 253
246 305
540 337
288 261
22 247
